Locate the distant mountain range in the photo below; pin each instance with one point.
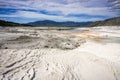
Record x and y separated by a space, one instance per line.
58 24
107 22
49 23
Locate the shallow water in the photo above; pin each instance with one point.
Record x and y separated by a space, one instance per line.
109 40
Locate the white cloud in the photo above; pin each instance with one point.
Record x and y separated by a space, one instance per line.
28 14
90 7
63 7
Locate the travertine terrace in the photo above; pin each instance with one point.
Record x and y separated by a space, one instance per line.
35 53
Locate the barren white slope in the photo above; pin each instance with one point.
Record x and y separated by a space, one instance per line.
91 61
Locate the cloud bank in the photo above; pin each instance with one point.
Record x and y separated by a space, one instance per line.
60 10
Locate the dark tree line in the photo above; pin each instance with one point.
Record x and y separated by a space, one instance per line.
7 23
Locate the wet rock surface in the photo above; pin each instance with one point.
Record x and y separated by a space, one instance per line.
37 39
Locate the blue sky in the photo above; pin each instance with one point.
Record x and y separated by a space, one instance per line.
24 11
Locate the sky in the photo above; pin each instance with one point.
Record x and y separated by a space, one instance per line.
24 11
